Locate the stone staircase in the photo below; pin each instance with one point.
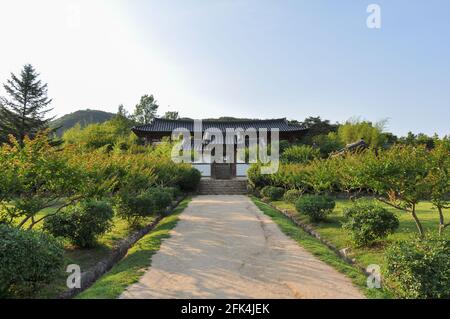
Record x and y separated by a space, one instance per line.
222 187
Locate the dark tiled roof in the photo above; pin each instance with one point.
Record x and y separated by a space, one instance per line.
167 126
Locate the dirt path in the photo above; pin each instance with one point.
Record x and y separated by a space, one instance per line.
225 247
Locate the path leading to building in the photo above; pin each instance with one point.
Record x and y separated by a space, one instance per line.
225 247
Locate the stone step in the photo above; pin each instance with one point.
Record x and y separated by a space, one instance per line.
222 187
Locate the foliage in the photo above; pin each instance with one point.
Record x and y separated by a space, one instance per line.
257 180
438 180
272 192
419 268
82 223
115 132
24 113
321 176
81 117
412 139
353 131
171 115
398 176
27 259
299 154
37 177
368 222
151 202
316 126
328 143
146 110
292 195
189 178
317 207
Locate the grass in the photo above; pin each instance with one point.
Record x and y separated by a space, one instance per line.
132 267
319 250
332 231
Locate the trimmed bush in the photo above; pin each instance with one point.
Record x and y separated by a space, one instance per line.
28 259
273 193
82 224
148 203
368 222
292 195
317 207
419 268
189 179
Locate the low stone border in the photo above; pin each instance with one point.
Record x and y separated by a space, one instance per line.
89 277
311 231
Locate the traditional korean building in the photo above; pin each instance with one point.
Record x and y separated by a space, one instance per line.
160 128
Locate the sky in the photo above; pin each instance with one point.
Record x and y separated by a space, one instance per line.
247 58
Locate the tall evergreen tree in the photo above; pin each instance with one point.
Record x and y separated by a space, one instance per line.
146 110
24 112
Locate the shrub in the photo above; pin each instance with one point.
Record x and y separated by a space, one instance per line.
317 207
300 154
174 192
368 222
189 179
419 268
273 193
257 180
82 223
135 207
27 260
292 195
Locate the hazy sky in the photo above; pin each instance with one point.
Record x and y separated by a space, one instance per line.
258 59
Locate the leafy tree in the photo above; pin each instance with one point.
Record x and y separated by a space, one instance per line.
116 131
327 144
398 176
24 113
354 130
38 177
317 126
146 110
438 180
122 112
171 115
419 139
321 176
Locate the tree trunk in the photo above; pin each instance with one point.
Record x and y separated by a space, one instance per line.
417 221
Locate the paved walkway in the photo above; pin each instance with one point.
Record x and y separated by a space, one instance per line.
225 247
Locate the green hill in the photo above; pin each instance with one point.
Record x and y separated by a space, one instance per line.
83 117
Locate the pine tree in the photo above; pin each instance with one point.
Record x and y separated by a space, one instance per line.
24 113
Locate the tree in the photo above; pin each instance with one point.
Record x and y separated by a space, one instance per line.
398 176
171 115
353 131
315 127
122 112
146 110
24 113
438 180
37 177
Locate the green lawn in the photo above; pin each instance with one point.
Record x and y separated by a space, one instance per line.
138 259
332 231
321 251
